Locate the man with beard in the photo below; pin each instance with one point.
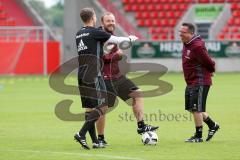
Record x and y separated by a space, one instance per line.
119 84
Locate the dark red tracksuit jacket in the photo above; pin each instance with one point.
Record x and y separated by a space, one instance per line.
197 65
111 68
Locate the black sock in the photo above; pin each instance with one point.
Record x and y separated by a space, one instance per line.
92 130
101 137
92 133
141 124
199 132
89 123
86 126
209 122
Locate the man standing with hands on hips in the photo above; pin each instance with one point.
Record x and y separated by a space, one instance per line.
198 69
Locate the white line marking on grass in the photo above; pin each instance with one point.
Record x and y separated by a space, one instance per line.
72 153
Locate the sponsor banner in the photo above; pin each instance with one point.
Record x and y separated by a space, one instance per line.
207 12
172 49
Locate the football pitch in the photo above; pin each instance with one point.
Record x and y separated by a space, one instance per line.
30 130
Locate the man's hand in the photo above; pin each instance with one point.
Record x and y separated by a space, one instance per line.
132 38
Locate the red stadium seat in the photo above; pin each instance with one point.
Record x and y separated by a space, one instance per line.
234 29
143 7
163 37
164 22
162 14
175 7
177 14
234 6
237 21
135 7
148 22
145 15
235 13
183 6
225 29
230 21
150 7
154 14
159 7
140 22
151 30
155 22
127 7
167 6
238 36
155 37
221 37
138 15
170 14
172 22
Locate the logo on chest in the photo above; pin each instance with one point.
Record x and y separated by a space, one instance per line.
188 54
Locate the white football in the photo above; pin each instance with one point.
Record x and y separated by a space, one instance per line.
150 138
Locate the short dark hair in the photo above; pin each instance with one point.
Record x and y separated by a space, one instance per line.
86 14
191 27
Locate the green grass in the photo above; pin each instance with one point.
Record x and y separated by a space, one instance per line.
29 129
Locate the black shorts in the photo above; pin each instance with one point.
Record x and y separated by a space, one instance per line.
195 98
93 94
120 87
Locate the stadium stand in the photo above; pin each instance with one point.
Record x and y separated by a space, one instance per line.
25 46
12 14
161 16
231 29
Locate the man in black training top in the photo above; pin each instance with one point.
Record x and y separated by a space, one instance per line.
89 41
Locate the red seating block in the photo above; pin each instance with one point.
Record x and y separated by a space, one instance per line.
160 16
